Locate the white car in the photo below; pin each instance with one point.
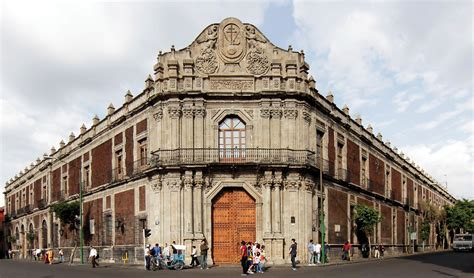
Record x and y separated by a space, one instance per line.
463 242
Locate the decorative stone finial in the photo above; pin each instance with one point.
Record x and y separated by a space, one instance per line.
26 169
110 109
388 143
83 129
395 149
129 96
330 97
38 160
172 48
16 176
95 120
358 119
72 137
149 82
312 83
345 109
370 129
402 155
32 165
290 48
53 149
407 159
379 136
62 144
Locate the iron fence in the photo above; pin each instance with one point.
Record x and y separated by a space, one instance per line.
130 169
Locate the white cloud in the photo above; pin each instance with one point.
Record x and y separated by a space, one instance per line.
453 159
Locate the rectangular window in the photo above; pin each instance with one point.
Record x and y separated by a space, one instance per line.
319 144
119 164
92 226
340 168
86 176
363 167
64 187
143 152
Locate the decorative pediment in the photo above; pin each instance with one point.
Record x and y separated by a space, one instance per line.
231 57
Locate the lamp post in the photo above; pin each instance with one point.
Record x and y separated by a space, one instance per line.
81 232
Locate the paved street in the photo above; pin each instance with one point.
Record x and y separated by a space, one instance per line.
446 264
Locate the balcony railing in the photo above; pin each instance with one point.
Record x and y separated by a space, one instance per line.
186 156
130 169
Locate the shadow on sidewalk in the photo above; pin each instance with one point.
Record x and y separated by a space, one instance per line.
460 261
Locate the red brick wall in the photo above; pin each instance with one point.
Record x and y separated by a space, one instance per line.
353 162
74 176
142 205
362 201
93 210
376 174
124 210
118 139
142 126
129 150
396 185
410 192
400 227
102 164
337 215
37 192
331 152
55 184
386 224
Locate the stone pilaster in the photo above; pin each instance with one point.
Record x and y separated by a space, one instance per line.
267 201
197 197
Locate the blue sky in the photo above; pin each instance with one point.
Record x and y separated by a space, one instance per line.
405 67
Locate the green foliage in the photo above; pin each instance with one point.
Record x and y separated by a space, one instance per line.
425 230
461 216
30 236
430 211
366 218
67 212
11 239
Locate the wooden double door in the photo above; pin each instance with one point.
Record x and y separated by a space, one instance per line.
233 220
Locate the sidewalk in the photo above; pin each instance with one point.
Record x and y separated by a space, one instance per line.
187 267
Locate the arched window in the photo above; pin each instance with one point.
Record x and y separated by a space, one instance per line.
44 234
232 138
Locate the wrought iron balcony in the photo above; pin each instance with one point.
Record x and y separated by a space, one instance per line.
41 203
201 156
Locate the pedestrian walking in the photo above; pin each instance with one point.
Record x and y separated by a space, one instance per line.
204 248
49 256
243 257
345 251
166 253
382 250
293 252
311 253
93 255
61 255
194 259
317 251
376 252
262 258
147 257
156 250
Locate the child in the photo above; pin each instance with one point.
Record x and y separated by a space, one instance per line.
262 258
250 260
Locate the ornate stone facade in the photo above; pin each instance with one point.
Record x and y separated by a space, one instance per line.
229 114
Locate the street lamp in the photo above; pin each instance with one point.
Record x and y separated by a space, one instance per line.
81 232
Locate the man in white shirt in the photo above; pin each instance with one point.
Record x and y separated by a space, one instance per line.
317 249
93 255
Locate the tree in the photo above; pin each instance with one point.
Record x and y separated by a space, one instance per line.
68 213
460 217
366 218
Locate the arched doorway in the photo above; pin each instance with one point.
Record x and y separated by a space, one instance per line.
44 235
31 236
233 220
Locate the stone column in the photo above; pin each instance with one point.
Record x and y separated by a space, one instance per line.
174 114
187 129
277 182
188 203
267 201
199 113
197 201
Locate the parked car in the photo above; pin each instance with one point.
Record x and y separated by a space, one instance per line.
463 242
